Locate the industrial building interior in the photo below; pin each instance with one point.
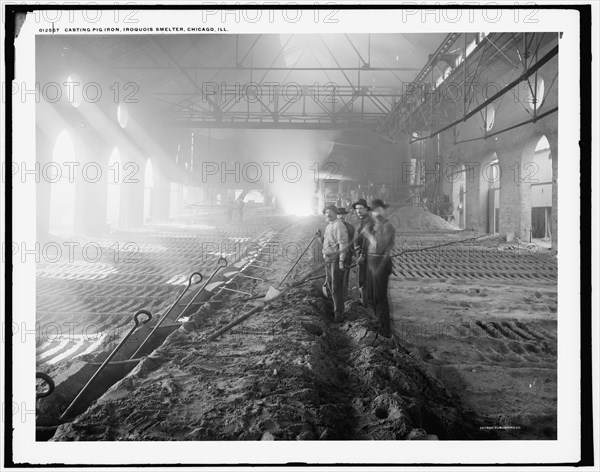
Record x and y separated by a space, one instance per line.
175 155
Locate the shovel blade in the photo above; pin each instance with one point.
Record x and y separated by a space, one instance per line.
271 293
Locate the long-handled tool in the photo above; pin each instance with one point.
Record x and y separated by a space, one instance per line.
221 264
110 356
298 260
167 312
310 279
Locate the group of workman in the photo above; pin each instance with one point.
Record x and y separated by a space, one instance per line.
371 243
236 206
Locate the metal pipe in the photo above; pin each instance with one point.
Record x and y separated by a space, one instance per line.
110 356
167 312
298 260
236 291
221 264
245 316
319 277
259 308
253 278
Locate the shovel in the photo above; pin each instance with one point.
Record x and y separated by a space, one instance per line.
298 260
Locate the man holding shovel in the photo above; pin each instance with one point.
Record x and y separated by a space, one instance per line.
342 212
380 235
335 243
360 246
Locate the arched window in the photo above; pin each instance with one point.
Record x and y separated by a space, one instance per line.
540 168
458 178
537 170
122 114
74 90
542 144
493 174
534 102
490 114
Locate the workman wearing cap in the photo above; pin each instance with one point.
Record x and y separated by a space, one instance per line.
335 244
380 236
360 246
341 214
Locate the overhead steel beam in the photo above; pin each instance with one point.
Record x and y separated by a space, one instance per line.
323 70
270 68
480 49
183 72
501 52
510 128
365 63
324 126
489 48
336 62
265 68
239 63
528 73
448 41
277 91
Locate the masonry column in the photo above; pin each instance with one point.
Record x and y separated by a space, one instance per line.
92 184
161 197
515 196
553 141
476 194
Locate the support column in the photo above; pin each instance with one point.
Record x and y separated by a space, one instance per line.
515 195
161 195
92 185
131 214
553 141
476 196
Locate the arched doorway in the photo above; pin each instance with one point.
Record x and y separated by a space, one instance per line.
459 180
538 170
526 191
62 188
148 187
491 176
113 197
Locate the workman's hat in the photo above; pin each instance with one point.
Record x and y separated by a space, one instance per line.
342 211
333 208
361 201
378 204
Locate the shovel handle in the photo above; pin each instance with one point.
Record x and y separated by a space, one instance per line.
222 262
191 279
48 381
137 321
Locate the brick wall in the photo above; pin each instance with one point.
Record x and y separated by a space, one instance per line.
553 141
515 195
477 192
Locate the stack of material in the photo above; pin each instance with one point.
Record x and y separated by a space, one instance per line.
417 218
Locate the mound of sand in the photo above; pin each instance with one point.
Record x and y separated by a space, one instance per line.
417 218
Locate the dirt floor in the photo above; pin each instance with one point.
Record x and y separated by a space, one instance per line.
471 358
494 345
